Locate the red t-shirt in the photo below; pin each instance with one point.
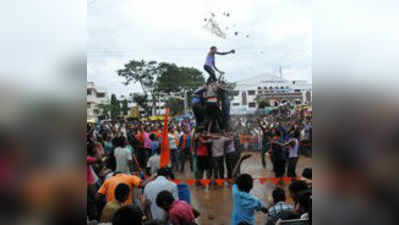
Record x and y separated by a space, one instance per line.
181 212
202 149
90 176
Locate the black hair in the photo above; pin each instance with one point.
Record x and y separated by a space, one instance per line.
245 182
164 199
278 195
91 148
243 223
213 47
305 200
152 137
128 215
122 141
164 172
122 192
295 187
307 173
115 142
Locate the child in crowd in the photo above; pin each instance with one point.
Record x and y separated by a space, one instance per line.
244 204
179 212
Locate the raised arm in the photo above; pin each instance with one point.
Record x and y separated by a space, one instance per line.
236 170
225 53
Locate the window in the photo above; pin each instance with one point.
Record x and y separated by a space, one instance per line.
88 92
297 90
236 93
260 92
251 92
236 104
100 95
252 105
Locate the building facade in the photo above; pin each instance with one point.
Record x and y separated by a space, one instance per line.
270 88
94 97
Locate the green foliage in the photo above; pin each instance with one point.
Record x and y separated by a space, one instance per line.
155 78
115 107
175 79
141 101
125 108
176 106
263 103
104 109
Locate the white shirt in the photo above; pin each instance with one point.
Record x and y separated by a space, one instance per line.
172 141
154 163
151 191
294 150
122 157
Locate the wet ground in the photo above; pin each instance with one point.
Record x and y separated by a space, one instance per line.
215 203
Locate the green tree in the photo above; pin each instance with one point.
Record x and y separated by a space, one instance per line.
176 105
175 79
262 103
104 109
125 108
144 73
141 101
115 107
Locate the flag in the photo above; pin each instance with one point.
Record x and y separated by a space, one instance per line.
165 155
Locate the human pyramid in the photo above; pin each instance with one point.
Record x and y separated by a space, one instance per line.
210 103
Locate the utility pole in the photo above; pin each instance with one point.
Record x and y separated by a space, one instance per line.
185 102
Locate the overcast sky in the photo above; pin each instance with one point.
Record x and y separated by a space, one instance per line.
280 32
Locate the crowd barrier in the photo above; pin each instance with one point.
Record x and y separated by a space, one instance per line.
221 182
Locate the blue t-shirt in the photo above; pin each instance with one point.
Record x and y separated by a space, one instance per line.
154 145
244 206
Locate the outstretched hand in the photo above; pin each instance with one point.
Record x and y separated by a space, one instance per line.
244 157
233 51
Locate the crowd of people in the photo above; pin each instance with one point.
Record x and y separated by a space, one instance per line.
127 185
123 164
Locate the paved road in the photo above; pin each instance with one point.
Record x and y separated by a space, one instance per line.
215 204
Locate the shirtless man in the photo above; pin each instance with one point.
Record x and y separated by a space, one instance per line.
210 63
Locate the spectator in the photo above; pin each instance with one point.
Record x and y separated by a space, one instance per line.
151 191
123 156
295 188
185 150
280 205
173 149
244 204
154 163
180 212
109 186
121 195
128 215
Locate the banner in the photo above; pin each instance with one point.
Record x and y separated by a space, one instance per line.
165 153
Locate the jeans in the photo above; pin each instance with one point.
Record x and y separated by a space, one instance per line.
213 116
265 148
231 161
204 167
292 167
174 157
218 167
198 111
211 72
141 157
185 155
